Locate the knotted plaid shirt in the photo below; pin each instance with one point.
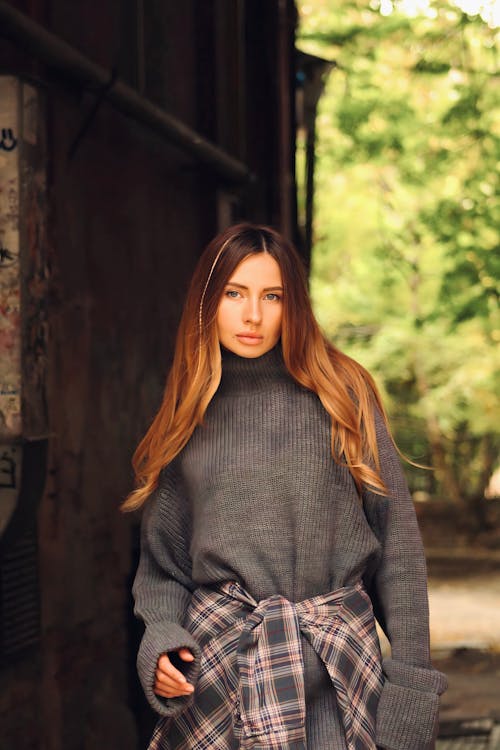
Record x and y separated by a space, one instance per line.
250 688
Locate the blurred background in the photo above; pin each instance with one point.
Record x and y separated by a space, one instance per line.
131 132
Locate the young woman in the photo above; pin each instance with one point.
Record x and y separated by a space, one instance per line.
277 521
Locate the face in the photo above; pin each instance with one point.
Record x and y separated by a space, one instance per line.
251 308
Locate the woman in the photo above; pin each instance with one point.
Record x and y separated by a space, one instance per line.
277 514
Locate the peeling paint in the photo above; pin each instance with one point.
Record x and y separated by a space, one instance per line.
10 274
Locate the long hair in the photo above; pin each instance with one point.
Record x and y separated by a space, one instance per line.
346 390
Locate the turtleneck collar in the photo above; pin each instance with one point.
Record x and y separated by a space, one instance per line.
250 374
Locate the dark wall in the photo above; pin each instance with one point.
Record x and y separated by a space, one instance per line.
127 215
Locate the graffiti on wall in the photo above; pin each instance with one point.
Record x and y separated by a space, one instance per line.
10 273
7 258
7 140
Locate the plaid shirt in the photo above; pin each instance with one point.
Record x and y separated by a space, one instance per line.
250 689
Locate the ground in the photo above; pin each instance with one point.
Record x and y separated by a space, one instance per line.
464 599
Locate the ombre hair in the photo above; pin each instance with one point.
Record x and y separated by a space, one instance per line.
346 390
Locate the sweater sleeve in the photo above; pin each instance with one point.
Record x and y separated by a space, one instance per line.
162 588
407 717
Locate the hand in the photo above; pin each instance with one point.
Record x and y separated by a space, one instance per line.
169 682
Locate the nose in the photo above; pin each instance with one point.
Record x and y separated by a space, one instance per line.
252 312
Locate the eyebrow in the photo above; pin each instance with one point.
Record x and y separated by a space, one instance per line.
266 289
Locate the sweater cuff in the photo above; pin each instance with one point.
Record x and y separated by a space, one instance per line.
158 639
408 709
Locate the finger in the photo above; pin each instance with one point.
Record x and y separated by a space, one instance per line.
186 654
169 680
166 667
170 692
165 680
171 689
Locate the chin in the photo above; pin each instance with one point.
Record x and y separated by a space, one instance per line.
249 352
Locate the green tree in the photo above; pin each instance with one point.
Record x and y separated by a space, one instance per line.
406 264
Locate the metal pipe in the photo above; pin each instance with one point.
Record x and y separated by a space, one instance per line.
61 56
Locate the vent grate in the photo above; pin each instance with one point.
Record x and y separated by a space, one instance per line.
19 597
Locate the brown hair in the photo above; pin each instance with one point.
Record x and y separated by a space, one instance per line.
346 390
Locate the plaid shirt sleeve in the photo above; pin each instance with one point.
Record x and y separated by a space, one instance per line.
250 691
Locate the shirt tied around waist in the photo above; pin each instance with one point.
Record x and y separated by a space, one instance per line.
250 687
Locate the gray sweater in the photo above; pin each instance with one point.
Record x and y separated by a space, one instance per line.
256 496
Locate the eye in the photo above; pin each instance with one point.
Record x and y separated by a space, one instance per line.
273 297
232 293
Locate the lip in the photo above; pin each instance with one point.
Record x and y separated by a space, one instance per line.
250 338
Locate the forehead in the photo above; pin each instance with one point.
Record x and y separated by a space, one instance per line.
257 267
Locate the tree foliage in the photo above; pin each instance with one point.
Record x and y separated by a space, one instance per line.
406 259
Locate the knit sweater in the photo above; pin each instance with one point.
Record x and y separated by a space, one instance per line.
255 496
